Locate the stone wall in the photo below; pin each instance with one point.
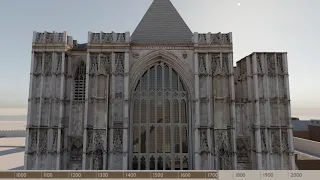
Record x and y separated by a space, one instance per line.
79 102
301 134
314 133
46 100
263 110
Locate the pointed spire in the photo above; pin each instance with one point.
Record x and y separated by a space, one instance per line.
162 24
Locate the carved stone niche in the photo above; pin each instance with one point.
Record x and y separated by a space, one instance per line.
76 143
33 141
98 150
121 37
264 148
280 64
225 39
275 141
260 70
43 144
225 64
47 64
215 64
119 64
202 38
107 38
95 38
215 39
243 149
58 69
204 147
202 64
271 65
284 141
40 39
105 64
94 63
223 149
38 64
49 37
59 38
117 141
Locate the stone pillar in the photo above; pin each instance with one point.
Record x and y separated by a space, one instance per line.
40 109
86 113
256 113
208 38
266 109
34 37
195 38
126 111
292 164
89 37
197 114
49 158
232 112
61 110
210 136
65 37
105 154
68 105
112 97
127 37
279 114
30 107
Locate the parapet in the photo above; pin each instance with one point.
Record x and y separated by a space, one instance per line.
108 38
213 39
59 38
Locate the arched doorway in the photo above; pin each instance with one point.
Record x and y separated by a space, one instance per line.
159 138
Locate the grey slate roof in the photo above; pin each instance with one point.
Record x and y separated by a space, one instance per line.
162 24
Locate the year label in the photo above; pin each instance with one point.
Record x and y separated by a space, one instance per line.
295 174
185 175
75 175
21 175
267 175
103 175
212 175
47 175
240 174
157 175
131 175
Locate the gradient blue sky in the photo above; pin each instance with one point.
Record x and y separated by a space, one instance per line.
257 25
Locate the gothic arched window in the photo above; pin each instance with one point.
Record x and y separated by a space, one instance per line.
80 83
160 121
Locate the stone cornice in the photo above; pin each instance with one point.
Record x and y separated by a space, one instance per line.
108 46
50 48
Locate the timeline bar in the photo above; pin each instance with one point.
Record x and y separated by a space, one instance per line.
195 175
108 174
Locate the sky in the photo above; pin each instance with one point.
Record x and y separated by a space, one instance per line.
291 26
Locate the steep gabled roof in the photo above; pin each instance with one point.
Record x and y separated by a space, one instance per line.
162 24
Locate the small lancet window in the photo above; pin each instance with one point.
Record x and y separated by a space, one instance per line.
80 83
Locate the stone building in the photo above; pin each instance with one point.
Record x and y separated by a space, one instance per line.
161 98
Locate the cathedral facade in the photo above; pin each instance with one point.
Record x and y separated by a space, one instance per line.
163 98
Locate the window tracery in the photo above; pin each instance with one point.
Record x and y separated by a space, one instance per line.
160 114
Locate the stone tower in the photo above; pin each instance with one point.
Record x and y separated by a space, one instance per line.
163 98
